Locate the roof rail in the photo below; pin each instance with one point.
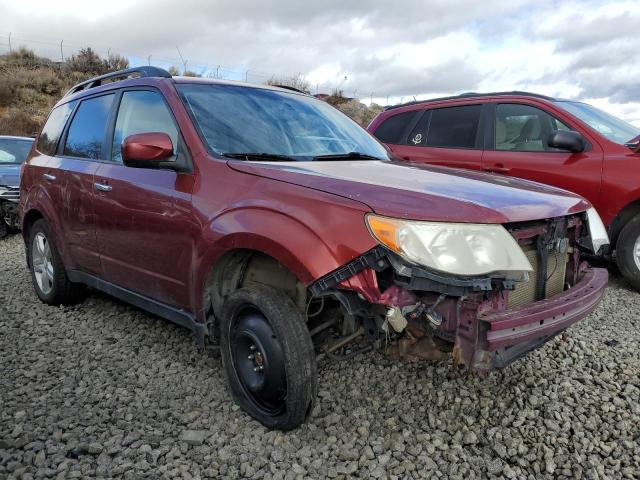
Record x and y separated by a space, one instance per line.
471 95
97 81
293 89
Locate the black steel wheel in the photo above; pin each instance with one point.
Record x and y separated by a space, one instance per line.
268 357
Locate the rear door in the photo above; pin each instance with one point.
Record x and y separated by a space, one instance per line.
144 218
80 153
450 136
519 147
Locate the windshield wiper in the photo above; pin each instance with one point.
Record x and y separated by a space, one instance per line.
274 157
347 156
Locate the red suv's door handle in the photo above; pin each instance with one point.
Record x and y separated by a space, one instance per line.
103 187
497 169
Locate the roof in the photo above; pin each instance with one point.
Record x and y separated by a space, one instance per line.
463 96
155 73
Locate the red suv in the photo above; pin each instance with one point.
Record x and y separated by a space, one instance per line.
567 144
267 222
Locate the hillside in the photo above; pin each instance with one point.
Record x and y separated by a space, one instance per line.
30 85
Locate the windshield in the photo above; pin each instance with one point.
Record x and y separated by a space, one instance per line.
237 120
613 128
14 151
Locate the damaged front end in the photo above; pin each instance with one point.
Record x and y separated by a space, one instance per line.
484 321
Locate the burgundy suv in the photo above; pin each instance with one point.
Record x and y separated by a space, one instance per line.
269 223
564 143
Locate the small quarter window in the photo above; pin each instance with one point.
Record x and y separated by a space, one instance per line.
48 140
88 128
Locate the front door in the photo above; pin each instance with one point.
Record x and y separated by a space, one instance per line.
144 218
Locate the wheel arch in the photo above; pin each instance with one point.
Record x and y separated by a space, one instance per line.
628 212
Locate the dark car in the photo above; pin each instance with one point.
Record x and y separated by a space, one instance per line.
269 223
564 143
13 153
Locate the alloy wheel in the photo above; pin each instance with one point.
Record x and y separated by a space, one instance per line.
41 262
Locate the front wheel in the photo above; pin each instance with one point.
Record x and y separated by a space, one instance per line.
628 252
268 357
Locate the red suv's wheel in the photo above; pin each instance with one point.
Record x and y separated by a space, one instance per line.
628 252
268 357
47 270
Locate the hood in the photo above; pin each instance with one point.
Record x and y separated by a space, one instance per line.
10 175
425 192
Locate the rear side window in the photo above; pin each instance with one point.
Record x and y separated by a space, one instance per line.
142 111
392 129
52 130
454 127
88 128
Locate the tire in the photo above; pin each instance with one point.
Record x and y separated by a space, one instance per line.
261 327
48 273
626 258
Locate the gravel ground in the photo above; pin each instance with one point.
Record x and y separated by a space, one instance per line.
104 390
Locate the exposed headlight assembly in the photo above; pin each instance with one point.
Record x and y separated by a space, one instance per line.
464 249
597 230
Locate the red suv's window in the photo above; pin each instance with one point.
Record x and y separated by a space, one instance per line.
52 130
85 138
524 128
454 127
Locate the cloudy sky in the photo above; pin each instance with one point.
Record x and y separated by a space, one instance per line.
374 49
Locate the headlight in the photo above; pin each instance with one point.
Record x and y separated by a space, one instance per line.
597 231
455 248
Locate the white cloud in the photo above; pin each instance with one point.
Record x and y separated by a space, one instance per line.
573 49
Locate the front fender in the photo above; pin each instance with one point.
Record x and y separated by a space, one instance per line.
308 247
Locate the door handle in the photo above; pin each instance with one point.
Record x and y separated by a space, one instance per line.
102 187
49 177
497 169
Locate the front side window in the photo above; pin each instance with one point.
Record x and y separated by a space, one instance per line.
523 128
86 134
454 127
48 140
142 111
613 128
234 120
392 129
14 151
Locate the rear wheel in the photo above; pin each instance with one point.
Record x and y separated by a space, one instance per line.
47 270
268 357
628 252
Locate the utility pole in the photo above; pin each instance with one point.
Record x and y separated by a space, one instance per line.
149 60
61 52
246 76
217 70
184 62
10 49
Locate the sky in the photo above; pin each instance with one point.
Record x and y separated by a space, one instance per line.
380 50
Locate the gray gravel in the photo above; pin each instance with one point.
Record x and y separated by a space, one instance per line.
104 390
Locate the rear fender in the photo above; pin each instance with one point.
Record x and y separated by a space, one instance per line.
38 200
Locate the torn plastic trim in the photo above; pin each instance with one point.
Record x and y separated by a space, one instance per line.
374 258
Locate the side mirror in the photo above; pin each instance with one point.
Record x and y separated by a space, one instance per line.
147 150
567 140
